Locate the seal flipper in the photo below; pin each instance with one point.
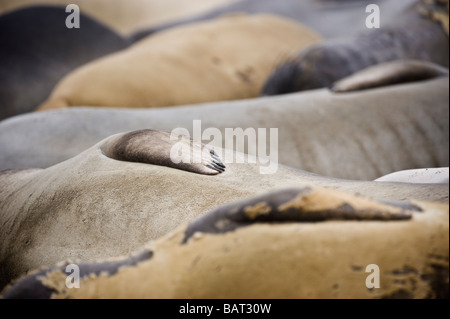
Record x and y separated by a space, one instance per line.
157 148
297 205
389 73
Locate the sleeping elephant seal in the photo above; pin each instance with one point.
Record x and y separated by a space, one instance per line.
411 36
224 59
330 18
291 243
129 189
358 135
37 50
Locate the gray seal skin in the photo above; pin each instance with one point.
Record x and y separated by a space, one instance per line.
410 36
398 127
37 50
330 18
153 147
124 191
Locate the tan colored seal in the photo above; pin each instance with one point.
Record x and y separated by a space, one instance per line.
123 192
284 255
224 59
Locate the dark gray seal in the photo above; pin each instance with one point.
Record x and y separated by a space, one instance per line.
37 50
411 36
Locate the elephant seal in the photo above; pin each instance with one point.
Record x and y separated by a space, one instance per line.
330 19
233 251
399 127
38 50
96 206
411 36
225 59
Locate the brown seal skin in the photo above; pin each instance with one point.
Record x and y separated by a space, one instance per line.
32 288
306 204
37 50
297 205
151 72
412 36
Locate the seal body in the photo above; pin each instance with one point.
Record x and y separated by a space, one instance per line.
234 250
38 50
224 59
411 36
399 127
123 192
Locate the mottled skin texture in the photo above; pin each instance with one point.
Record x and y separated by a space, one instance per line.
301 205
410 36
37 50
93 206
228 253
399 127
32 287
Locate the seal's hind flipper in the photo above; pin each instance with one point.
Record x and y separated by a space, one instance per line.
389 73
307 204
163 149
